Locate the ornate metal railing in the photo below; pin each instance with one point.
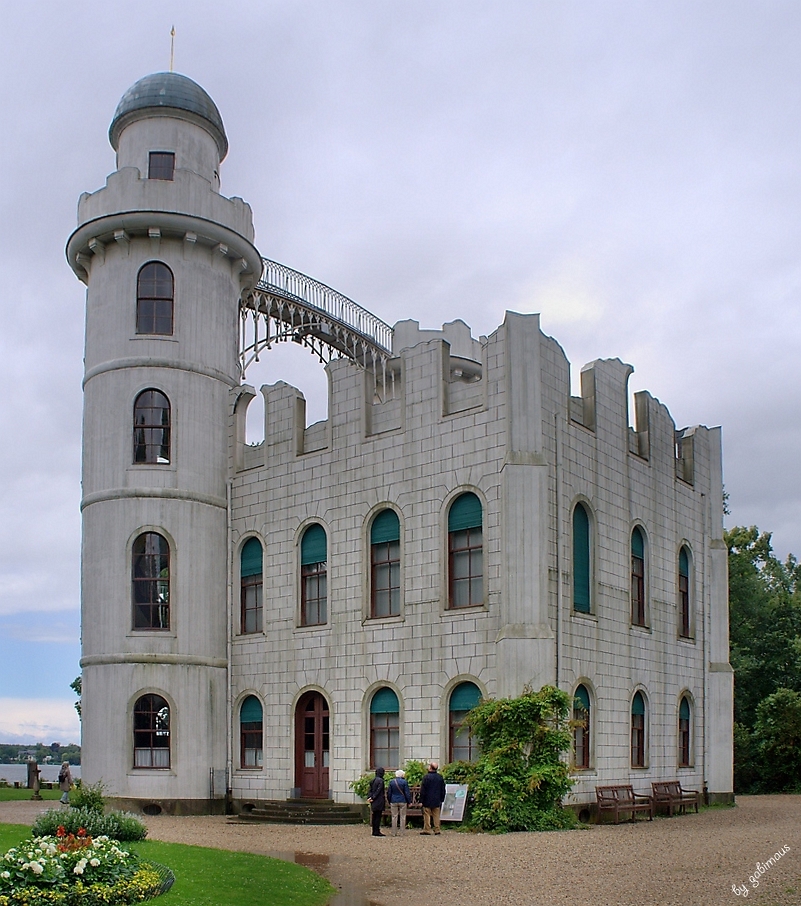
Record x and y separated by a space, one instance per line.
287 305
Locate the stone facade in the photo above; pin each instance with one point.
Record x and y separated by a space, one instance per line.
449 415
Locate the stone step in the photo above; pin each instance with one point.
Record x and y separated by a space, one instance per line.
300 811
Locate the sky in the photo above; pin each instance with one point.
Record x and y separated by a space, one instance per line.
627 169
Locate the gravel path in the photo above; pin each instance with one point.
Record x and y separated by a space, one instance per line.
690 860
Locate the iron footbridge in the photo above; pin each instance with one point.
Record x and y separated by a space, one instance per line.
287 306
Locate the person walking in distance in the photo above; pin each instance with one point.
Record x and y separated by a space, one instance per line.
432 795
400 797
377 800
65 782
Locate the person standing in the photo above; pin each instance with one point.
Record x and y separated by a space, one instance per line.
432 795
377 800
400 797
65 782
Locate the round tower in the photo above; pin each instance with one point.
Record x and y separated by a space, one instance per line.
165 258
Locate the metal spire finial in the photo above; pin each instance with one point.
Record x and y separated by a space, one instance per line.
172 47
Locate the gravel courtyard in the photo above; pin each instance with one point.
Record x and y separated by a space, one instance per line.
691 860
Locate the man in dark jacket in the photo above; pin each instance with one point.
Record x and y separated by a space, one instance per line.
432 795
377 800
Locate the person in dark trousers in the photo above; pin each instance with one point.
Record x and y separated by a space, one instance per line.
432 795
377 800
400 797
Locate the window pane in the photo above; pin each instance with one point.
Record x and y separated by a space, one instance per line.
161 165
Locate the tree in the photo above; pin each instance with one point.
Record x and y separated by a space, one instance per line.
77 685
765 640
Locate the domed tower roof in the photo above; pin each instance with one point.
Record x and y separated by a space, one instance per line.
169 91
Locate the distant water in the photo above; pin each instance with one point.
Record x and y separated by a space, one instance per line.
49 772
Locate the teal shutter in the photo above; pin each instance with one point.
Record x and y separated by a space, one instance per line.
684 563
385 528
637 544
684 709
314 546
384 702
582 698
250 712
638 705
581 559
465 697
251 562
465 513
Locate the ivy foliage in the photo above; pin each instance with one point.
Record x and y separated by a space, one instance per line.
520 778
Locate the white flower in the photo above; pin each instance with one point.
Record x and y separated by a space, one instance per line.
5 874
78 870
94 862
37 868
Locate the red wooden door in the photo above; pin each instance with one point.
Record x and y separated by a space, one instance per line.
312 746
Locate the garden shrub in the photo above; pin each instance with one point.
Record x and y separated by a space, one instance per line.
414 775
89 796
77 870
118 825
520 778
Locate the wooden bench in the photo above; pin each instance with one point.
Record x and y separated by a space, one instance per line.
414 809
620 799
674 796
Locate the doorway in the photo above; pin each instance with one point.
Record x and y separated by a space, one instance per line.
312 746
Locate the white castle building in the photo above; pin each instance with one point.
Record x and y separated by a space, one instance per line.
268 622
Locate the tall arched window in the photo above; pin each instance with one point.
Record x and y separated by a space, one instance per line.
638 731
582 600
685 627
251 734
384 729
313 576
465 552
251 576
637 577
154 299
385 565
685 739
150 578
151 731
462 746
151 428
581 728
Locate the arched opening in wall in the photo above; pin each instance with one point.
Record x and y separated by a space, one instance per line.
294 365
152 809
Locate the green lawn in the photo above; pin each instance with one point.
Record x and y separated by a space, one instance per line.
214 877
7 793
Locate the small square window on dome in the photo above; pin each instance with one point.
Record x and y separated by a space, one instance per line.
161 165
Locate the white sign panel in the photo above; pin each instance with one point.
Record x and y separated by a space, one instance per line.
455 801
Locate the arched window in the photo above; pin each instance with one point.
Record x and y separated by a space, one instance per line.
151 428
151 730
465 552
385 565
582 601
685 739
637 577
638 731
581 728
313 576
150 575
251 733
384 729
251 576
154 300
462 746
685 628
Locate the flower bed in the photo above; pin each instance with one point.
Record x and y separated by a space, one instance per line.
77 870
